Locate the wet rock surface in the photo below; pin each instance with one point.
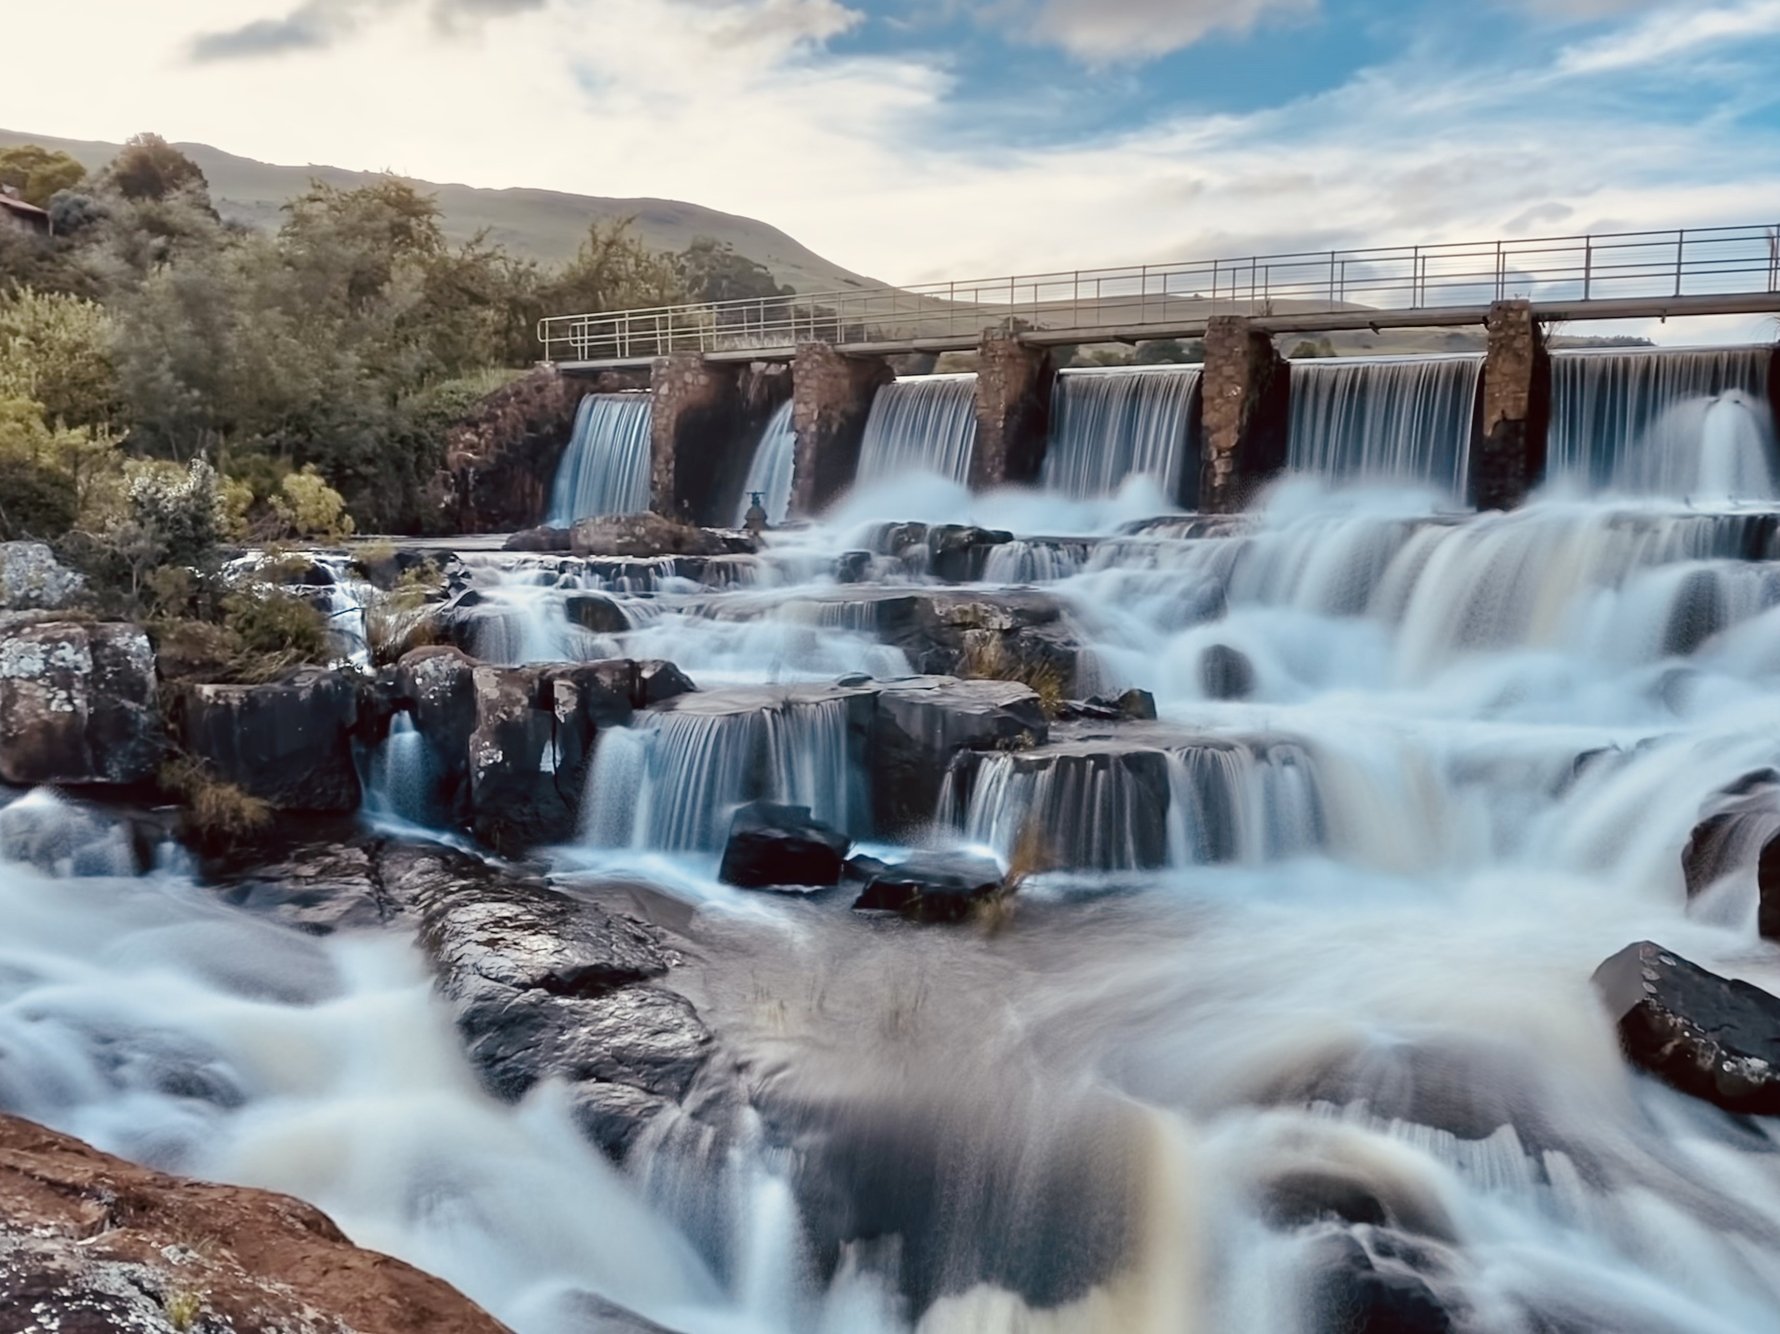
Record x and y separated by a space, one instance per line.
78 705
289 743
933 887
90 1244
921 723
651 535
771 846
1713 1037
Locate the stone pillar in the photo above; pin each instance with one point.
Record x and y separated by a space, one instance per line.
697 419
1774 388
1013 411
1246 400
1508 456
831 396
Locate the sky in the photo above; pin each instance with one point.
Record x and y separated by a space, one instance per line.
915 140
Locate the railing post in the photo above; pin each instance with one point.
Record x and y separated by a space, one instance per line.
1214 288
1501 273
1680 257
1416 294
1333 300
1588 267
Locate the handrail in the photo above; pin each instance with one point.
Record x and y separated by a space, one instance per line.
1690 262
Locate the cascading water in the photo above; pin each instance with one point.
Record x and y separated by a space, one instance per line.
1108 425
403 777
769 475
1684 423
605 469
1402 419
922 423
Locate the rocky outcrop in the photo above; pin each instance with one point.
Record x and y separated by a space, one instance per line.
651 535
90 1243
1226 673
772 846
1739 832
32 579
500 461
921 723
78 705
1713 1037
288 743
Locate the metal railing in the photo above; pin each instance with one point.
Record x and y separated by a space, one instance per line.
1700 262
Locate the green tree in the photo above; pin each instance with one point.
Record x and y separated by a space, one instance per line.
37 173
711 270
56 350
148 167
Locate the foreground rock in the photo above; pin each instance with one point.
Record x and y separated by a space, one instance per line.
1710 1036
90 1243
933 887
77 705
543 985
1740 832
288 743
771 845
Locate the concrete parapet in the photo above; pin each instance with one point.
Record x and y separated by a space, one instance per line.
1246 393
1509 457
1013 412
832 396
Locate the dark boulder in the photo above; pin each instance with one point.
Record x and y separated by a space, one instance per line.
538 539
1713 1037
1226 673
596 612
1739 832
288 743
919 726
933 887
658 682
78 705
771 845
439 687
958 553
852 567
1368 1283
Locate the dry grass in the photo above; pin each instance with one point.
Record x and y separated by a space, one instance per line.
183 1308
986 658
217 816
1032 856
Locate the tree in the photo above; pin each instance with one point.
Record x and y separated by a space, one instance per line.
56 350
614 271
711 270
37 173
148 167
1308 349
350 245
1168 352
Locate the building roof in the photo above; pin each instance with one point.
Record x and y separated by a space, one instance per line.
28 213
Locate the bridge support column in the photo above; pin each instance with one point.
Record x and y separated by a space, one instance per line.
1508 458
698 418
1247 397
1013 412
1774 388
831 398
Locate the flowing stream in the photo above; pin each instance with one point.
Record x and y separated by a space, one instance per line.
1297 1030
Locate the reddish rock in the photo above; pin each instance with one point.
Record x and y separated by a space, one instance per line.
92 1243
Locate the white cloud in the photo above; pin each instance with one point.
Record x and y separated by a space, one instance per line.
736 104
1672 32
1102 31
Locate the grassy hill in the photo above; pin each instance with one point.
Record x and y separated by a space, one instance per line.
544 224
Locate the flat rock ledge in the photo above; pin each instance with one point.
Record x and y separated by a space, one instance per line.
90 1244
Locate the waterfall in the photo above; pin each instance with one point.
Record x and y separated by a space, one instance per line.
677 775
923 423
1690 422
769 475
1398 418
1107 425
403 779
1089 809
605 469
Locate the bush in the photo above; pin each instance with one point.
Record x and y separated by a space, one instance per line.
309 508
217 816
273 624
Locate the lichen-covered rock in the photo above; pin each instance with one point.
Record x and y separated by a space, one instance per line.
1713 1037
77 705
91 1244
632 535
32 579
288 743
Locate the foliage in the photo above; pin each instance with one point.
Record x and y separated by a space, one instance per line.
711 270
278 628
614 271
148 167
48 476
37 173
308 507
987 658
217 816
55 350
1308 348
1169 352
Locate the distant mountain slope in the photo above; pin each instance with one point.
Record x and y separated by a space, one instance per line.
543 224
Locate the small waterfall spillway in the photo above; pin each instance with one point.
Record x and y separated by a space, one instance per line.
1385 418
1684 423
605 469
922 423
1281 1020
1108 425
769 474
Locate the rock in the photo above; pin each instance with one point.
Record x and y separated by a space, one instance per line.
647 535
1137 705
596 612
1739 832
921 723
32 579
957 554
78 705
1226 673
852 567
1364 1287
317 887
90 1243
500 459
658 682
62 838
933 887
538 539
771 845
439 686
288 743
1713 1037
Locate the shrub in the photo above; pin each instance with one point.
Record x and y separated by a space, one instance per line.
276 625
217 816
308 508
986 658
